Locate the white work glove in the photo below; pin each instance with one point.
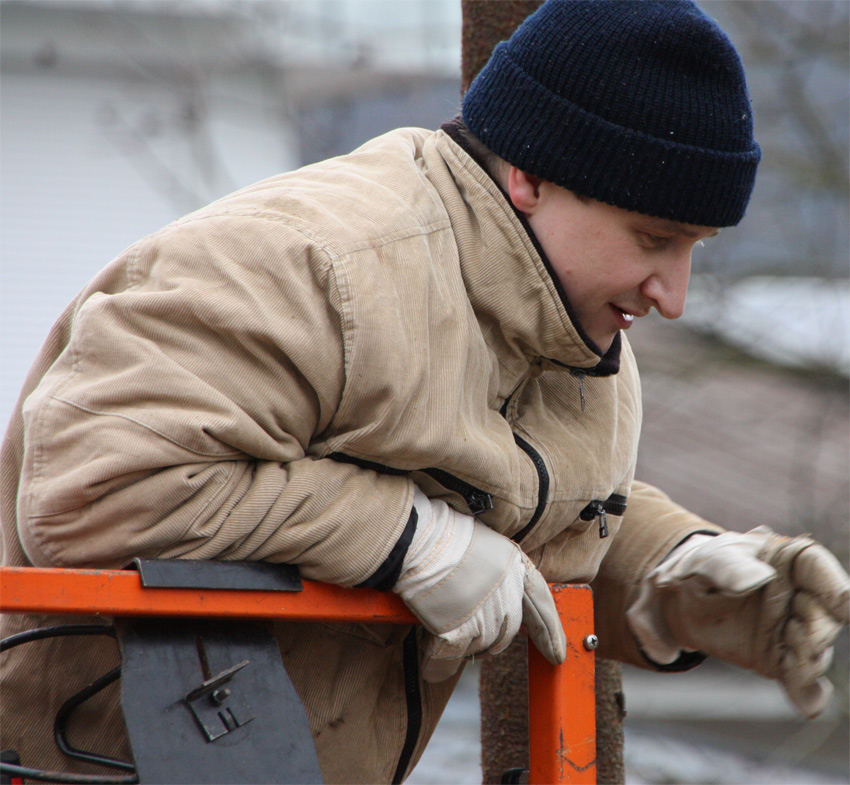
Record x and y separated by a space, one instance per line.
768 603
472 588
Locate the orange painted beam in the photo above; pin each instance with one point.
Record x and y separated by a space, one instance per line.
562 715
562 699
120 593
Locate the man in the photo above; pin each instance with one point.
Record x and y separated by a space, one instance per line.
407 368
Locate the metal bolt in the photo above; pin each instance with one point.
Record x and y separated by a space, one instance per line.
590 642
220 695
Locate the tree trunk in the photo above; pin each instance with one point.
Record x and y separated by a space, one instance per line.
485 23
504 679
503 690
610 714
504 716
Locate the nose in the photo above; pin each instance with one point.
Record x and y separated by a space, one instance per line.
667 286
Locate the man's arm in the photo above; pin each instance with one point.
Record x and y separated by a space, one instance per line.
177 421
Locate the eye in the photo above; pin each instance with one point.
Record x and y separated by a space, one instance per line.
654 240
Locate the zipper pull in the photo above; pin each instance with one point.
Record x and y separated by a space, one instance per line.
596 509
603 523
580 376
479 501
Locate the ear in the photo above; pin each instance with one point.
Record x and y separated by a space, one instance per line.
524 190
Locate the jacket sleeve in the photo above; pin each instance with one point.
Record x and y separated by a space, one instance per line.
178 420
652 526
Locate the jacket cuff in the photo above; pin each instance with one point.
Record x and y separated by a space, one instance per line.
710 532
385 577
686 661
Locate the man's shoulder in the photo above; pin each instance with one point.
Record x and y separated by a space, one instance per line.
377 191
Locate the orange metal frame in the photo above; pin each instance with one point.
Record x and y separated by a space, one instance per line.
562 706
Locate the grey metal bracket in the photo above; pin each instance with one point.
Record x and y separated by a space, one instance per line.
209 701
216 708
190 574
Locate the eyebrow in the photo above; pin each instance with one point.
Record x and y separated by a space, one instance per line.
684 230
693 233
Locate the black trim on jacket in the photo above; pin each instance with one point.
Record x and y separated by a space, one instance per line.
542 486
477 501
413 697
686 661
609 362
385 577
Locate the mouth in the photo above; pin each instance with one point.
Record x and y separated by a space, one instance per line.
625 319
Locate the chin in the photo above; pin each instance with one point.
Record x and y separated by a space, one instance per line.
604 343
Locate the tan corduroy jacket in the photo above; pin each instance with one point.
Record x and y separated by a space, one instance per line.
267 378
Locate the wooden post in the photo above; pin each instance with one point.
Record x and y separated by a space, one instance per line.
485 23
610 714
503 690
504 683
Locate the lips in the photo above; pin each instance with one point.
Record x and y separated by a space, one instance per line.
624 318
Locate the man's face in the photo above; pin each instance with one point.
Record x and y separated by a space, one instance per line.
615 265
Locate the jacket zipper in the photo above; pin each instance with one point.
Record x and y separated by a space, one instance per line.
542 486
542 475
413 697
615 504
477 501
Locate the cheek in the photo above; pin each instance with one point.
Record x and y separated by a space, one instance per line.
589 260
620 268
560 251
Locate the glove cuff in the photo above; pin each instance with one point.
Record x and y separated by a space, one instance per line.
645 617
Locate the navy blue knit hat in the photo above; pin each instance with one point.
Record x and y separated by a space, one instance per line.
638 103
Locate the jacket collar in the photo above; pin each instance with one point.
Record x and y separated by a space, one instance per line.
517 292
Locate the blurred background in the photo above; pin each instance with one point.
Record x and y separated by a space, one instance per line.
118 116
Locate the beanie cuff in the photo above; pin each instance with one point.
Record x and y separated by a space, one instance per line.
552 138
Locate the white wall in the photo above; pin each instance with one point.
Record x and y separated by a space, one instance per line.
118 118
79 184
